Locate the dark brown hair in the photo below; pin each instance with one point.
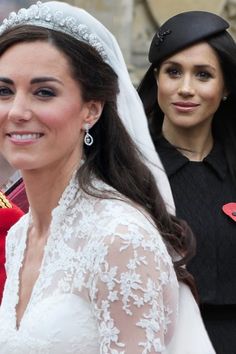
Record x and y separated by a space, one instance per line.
113 157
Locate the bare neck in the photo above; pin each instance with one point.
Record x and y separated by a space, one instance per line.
194 145
44 190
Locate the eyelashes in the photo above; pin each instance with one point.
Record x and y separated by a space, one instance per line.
174 72
45 92
5 91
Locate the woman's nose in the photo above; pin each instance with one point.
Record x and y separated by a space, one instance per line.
186 87
19 110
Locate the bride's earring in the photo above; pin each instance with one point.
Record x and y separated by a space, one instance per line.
88 139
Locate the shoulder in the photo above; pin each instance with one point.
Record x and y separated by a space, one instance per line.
116 224
120 211
114 214
125 229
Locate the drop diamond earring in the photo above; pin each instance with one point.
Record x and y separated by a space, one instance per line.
88 139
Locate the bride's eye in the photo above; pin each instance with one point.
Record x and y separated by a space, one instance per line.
45 92
5 91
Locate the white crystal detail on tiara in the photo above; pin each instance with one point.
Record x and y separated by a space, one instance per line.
40 14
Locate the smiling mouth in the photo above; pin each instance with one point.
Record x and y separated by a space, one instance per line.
25 136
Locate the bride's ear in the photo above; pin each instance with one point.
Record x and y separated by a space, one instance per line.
94 112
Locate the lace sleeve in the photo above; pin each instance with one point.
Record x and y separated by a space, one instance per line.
134 291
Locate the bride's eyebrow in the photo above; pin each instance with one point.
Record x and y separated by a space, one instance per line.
6 80
33 81
41 79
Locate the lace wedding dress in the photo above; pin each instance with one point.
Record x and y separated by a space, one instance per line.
106 284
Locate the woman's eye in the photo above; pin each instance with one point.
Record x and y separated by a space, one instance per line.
204 75
173 72
5 91
45 92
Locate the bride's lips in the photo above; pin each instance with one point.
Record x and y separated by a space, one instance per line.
22 138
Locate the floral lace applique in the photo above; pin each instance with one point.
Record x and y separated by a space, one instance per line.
106 282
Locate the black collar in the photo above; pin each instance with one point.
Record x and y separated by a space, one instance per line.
173 160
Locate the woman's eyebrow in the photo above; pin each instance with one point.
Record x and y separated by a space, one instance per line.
6 80
37 80
33 81
205 66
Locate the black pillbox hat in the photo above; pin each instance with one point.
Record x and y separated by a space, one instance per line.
183 30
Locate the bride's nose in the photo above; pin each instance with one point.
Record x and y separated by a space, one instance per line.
20 109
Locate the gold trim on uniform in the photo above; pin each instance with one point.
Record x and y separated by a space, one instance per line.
4 203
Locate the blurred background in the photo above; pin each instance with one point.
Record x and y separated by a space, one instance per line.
134 22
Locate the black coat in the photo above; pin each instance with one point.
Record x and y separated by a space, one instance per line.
200 189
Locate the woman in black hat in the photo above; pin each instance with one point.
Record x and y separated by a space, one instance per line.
189 95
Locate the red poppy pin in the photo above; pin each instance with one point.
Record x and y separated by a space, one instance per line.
230 210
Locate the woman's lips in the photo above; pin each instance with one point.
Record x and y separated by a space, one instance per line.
24 137
185 106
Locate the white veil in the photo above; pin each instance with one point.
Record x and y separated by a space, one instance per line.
130 106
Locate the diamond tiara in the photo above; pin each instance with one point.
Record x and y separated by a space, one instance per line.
40 14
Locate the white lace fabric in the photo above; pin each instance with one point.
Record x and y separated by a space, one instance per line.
106 283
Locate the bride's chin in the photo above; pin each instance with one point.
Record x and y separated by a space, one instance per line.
20 164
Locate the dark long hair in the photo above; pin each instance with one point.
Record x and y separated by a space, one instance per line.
224 121
113 157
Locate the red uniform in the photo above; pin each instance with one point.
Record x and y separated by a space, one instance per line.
9 214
